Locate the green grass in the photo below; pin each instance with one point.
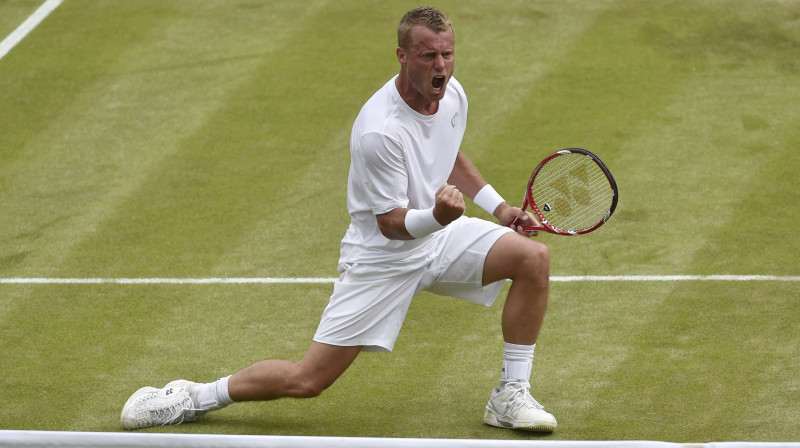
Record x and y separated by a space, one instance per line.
205 139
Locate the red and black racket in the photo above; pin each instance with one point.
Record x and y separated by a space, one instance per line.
571 192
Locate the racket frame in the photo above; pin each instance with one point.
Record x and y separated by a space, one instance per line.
545 225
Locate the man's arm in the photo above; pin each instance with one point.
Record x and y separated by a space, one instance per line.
468 179
449 206
392 225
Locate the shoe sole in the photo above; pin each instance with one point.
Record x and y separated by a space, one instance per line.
491 419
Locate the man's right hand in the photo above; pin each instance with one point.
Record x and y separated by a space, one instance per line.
449 204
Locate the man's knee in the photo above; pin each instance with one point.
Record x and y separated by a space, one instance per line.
322 365
308 384
311 389
541 254
516 258
535 259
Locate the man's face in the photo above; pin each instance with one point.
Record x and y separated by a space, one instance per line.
427 64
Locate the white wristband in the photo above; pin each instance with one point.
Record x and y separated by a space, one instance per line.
421 223
488 199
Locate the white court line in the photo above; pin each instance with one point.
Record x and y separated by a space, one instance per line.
163 281
674 278
27 26
35 439
276 280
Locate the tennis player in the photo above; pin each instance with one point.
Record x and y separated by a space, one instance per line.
407 234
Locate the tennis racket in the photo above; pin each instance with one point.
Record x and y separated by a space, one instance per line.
571 192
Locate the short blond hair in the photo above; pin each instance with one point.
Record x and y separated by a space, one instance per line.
427 16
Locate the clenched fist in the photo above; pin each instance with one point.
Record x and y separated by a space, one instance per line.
449 204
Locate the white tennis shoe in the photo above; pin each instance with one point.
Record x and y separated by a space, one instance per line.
149 406
513 407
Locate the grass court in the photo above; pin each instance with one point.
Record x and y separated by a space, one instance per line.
186 139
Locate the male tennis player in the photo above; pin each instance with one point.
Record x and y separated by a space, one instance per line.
407 234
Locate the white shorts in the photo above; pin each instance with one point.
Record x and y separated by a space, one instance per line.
370 301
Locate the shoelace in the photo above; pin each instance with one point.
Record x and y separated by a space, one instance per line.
522 397
171 414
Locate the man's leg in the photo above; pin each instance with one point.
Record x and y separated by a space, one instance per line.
268 380
527 264
182 401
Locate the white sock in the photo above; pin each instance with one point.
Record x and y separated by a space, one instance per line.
213 396
223 397
517 363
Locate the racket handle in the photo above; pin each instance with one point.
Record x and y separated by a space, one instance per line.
524 204
528 228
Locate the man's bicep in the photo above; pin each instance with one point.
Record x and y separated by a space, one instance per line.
392 224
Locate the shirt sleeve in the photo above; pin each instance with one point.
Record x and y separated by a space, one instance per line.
380 168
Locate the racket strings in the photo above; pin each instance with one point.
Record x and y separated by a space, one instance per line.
572 192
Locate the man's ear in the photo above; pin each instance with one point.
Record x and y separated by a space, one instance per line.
401 55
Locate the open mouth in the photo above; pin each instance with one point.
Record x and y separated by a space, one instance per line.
438 82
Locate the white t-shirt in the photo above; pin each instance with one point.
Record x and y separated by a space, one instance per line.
398 158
